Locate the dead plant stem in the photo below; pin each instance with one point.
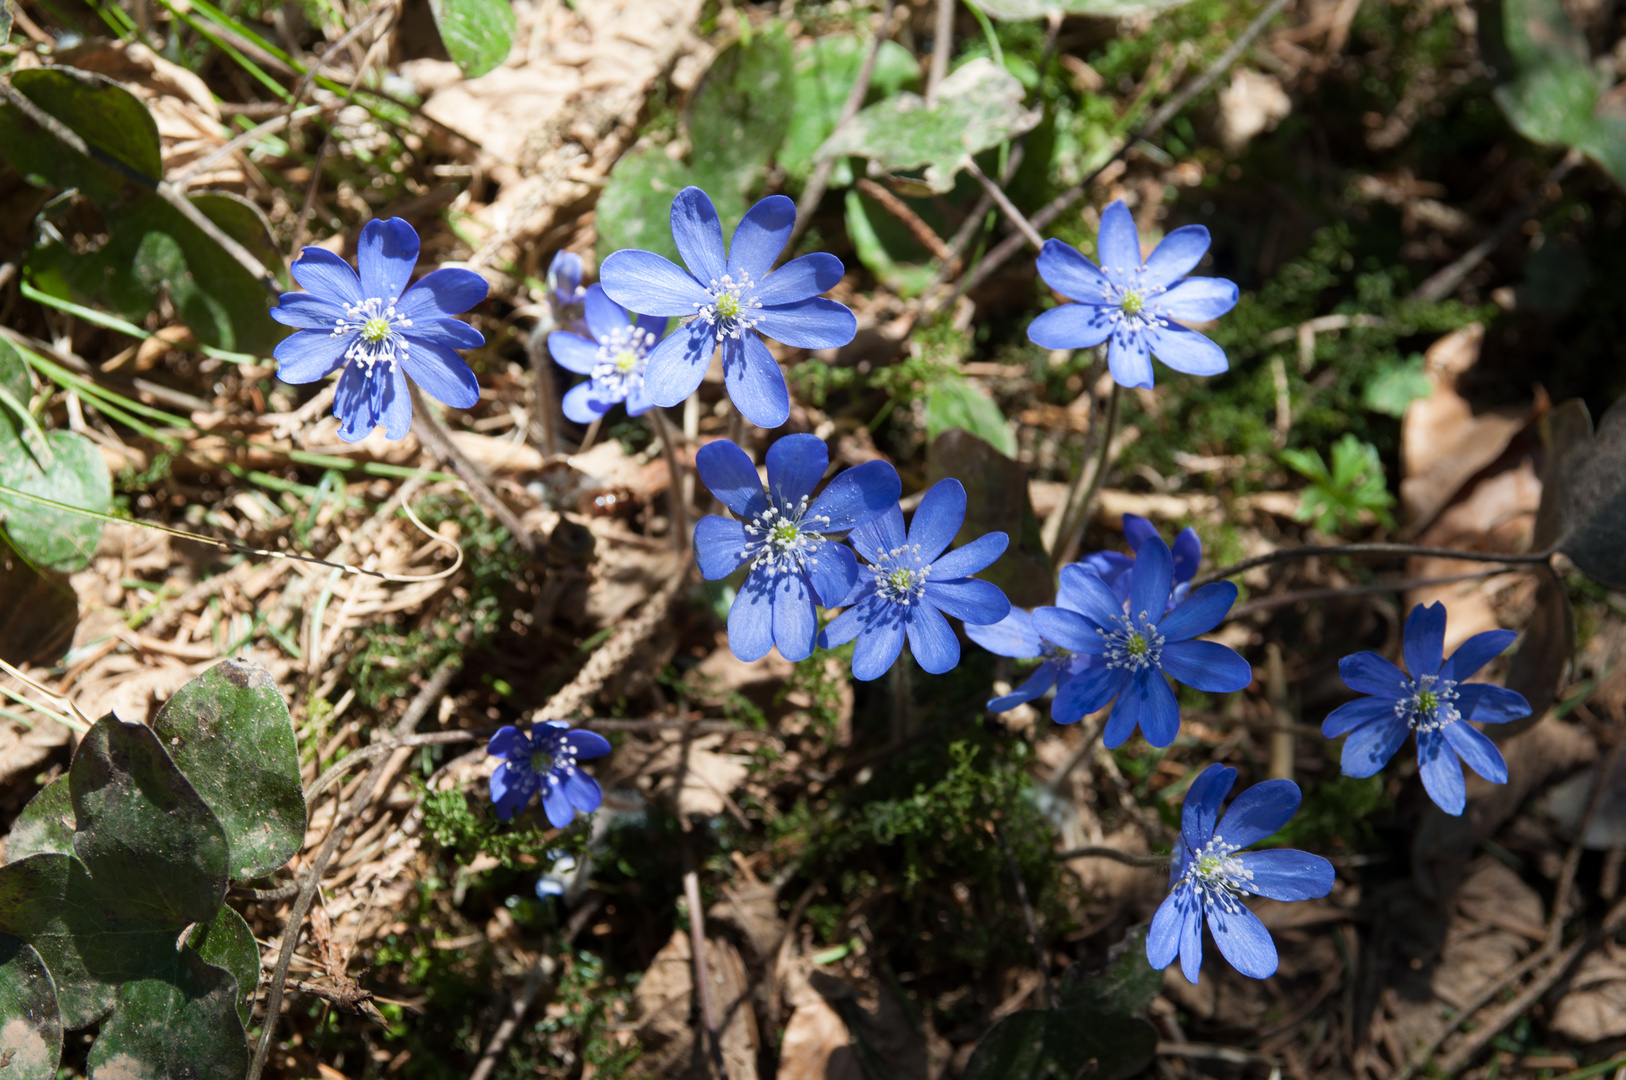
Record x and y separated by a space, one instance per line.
1308 551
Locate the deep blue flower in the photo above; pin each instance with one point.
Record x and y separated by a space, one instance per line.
1433 701
379 330
783 533
1016 636
1140 638
565 279
1132 303
546 759
732 299
910 584
1210 872
613 357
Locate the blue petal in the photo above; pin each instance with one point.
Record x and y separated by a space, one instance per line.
1200 812
1423 640
651 284
729 475
1369 747
1259 811
846 626
1163 936
1197 299
509 780
351 404
1011 636
385 256
796 464
1129 359
307 311
1151 580
969 600
819 323
1188 554
1285 874
585 402
833 573
451 290
395 403
638 401
1118 242
328 276
1476 652
1035 686
1352 714
583 792
1072 631
1185 350
1068 272
699 238
937 519
1490 704
932 639
1177 255
1369 673
880 534
588 744
307 355
801 279
1087 692
1089 595
1442 772
450 333
760 236
1071 326
573 352
443 375
754 382
1479 752
856 495
1137 530
719 546
1244 941
1191 938
604 316
678 364
1148 703
507 740
970 558
1198 613
795 621
556 804
881 639
750 617
1207 666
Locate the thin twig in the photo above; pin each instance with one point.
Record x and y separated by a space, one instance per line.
1032 920
1313 550
700 970
679 525
1085 747
1150 862
907 217
1265 603
434 436
253 135
1006 207
544 399
426 698
1078 508
942 48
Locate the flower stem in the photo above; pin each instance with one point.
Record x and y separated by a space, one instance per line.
1311 550
1081 497
679 524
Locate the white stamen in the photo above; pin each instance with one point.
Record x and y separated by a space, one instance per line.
376 328
1431 705
900 574
732 306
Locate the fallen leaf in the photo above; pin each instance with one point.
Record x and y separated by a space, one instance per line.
1252 104
816 1046
1595 1007
663 1006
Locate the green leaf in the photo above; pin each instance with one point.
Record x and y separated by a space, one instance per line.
228 943
1126 985
1034 1044
635 209
45 825
826 69
50 902
907 280
182 1022
114 123
956 402
1395 386
229 733
54 539
30 1025
478 34
1101 9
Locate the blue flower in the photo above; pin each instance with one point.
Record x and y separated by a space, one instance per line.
559 875
1208 875
910 584
565 279
783 535
379 330
1433 701
1132 302
732 299
613 358
1016 636
545 759
1140 638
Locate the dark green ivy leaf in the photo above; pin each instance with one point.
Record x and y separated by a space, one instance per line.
45 825
30 1025
228 943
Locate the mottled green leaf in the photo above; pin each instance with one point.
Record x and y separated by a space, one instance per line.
45 825
478 34
869 233
229 733
1125 986
826 69
1395 386
117 128
30 1025
228 943
54 539
955 402
1034 1044
635 210
180 1022
978 106
50 902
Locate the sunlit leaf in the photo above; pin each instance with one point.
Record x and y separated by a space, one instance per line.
30 1025
478 34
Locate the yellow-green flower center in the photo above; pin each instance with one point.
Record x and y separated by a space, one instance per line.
784 533
728 306
1428 701
1136 644
375 329
1209 865
626 360
901 580
1132 302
